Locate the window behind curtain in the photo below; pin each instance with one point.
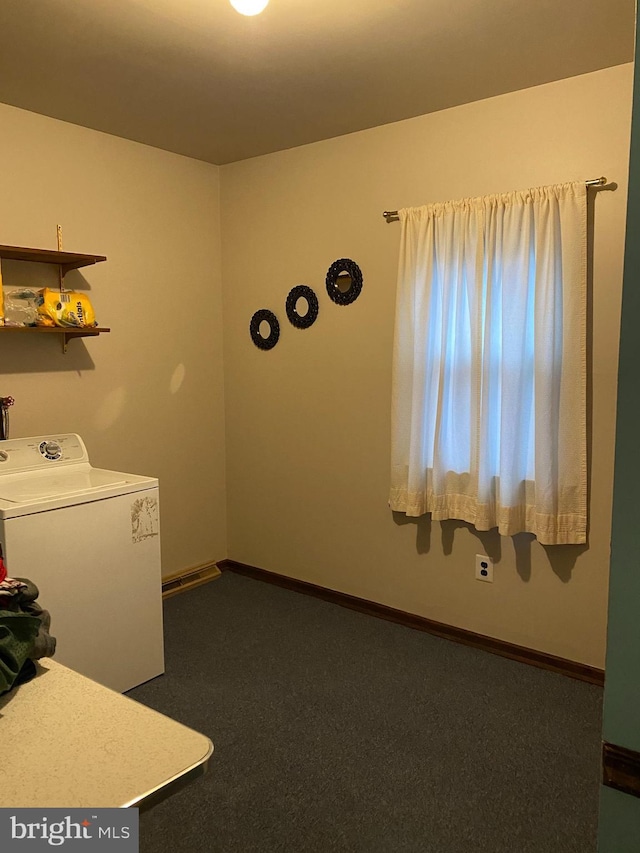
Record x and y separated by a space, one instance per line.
489 394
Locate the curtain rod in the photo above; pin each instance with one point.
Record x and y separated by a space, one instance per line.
392 215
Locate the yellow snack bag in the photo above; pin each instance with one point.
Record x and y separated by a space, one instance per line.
66 308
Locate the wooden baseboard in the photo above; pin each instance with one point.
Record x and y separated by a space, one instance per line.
621 769
189 579
573 669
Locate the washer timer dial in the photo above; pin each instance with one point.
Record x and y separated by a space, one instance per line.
51 450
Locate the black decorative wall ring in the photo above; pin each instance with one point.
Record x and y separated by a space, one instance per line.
274 329
344 281
302 321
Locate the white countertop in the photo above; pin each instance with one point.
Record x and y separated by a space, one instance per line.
69 742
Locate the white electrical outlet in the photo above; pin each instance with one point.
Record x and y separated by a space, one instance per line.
484 568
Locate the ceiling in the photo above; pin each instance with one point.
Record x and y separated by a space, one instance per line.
197 78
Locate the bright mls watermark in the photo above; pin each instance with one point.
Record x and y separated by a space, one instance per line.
24 830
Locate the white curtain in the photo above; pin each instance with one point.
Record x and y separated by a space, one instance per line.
489 388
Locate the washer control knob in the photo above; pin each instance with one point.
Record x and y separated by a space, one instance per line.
3 455
50 449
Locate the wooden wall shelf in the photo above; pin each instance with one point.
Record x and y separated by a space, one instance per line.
65 260
68 332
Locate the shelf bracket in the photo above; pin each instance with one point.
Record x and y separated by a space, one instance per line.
61 273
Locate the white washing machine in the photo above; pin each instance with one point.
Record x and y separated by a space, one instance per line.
90 541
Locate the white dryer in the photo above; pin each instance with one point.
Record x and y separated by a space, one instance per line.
90 541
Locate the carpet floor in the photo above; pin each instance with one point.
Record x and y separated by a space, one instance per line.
337 731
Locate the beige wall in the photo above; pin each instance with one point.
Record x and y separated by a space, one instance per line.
307 423
148 397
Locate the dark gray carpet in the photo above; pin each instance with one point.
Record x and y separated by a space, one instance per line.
336 731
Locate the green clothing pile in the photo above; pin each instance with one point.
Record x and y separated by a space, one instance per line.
17 634
24 635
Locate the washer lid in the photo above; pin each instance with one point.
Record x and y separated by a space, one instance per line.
39 491
59 485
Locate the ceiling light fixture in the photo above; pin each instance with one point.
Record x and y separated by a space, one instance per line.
249 7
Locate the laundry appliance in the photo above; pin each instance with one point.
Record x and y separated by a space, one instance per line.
90 541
